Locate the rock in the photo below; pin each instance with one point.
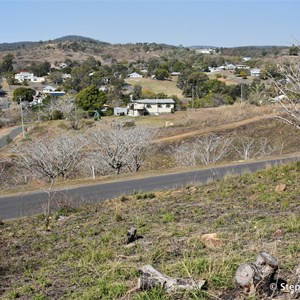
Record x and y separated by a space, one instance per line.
280 187
169 124
278 234
211 240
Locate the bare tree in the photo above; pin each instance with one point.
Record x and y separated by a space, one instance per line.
95 164
139 146
10 174
207 149
48 159
2 169
288 90
120 148
266 148
245 147
65 105
185 154
212 148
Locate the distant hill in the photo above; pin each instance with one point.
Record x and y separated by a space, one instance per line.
77 38
30 44
17 45
79 48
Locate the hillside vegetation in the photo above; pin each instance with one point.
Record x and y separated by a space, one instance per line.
83 256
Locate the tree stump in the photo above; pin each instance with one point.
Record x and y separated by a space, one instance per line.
132 236
150 277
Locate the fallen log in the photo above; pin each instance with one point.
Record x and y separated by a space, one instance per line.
150 278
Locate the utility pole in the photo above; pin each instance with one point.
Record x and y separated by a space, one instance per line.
242 93
193 96
22 118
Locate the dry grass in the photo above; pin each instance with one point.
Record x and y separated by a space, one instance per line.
167 87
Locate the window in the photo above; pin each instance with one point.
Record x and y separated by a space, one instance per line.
168 105
159 105
148 106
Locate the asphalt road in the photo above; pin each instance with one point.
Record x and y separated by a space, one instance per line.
12 134
32 203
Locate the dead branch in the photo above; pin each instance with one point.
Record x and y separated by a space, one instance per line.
150 278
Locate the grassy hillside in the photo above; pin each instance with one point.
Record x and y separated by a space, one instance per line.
167 87
83 256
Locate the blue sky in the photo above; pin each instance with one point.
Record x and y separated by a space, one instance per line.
224 23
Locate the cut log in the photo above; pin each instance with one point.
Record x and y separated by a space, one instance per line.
244 276
150 277
267 265
259 275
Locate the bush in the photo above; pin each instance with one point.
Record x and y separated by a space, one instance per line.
8 139
57 115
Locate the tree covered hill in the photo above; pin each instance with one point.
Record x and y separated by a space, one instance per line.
79 48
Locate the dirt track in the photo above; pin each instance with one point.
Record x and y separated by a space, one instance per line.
215 129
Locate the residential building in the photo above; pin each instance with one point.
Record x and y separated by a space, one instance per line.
135 75
48 89
145 107
255 72
120 111
25 75
242 67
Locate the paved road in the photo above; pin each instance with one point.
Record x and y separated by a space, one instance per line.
13 133
29 204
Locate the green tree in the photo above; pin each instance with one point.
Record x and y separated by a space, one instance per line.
91 99
162 74
25 94
56 77
7 64
196 83
294 50
137 92
40 69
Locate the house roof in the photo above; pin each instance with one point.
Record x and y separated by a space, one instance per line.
134 74
49 88
155 101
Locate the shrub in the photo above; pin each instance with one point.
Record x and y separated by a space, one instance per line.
57 115
8 139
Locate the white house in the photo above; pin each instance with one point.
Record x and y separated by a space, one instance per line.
205 51
255 72
229 67
120 111
48 89
145 107
242 67
25 75
135 75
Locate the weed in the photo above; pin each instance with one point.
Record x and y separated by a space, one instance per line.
62 125
8 139
140 195
168 217
118 213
